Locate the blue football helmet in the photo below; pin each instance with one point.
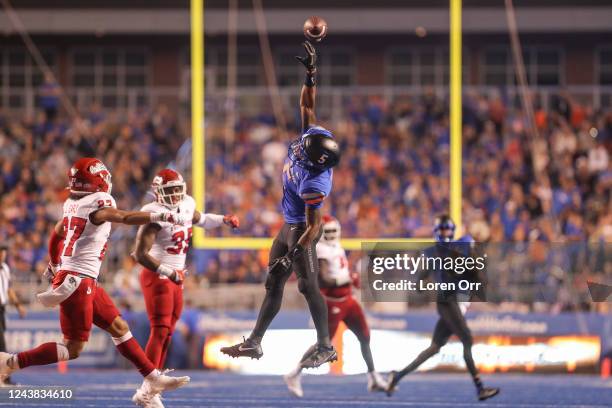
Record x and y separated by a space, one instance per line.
444 222
316 149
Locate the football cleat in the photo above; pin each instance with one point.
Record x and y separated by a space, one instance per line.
486 393
294 384
5 368
319 355
376 383
156 382
147 400
248 348
392 380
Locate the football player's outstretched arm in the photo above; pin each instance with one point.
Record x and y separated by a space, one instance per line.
133 217
144 241
307 97
208 221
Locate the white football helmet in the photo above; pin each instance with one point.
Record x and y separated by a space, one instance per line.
331 229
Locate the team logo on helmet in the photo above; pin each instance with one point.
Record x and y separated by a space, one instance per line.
97 168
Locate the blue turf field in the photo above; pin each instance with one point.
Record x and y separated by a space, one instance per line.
113 388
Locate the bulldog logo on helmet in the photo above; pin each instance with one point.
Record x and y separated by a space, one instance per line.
97 168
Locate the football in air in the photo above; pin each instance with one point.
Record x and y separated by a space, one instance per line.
315 28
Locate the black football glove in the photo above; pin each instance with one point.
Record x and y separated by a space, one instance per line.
310 60
280 266
283 264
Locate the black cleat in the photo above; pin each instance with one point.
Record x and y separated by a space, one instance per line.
392 380
319 355
248 348
486 393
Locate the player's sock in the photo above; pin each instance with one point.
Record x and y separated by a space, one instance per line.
296 371
477 383
269 309
469 361
366 352
318 311
130 349
164 354
155 345
46 353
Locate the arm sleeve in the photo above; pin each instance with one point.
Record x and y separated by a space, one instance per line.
56 244
208 221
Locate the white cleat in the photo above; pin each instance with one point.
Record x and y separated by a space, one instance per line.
147 400
5 370
148 395
158 382
376 383
294 384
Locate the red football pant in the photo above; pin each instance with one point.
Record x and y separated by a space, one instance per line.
350 312
164 302
87 305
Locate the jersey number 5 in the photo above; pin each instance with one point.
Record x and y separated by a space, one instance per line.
77 225
181 243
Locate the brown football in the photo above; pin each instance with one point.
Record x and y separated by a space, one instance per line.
315 28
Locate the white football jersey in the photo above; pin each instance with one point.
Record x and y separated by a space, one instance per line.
84 242
335 256
172 241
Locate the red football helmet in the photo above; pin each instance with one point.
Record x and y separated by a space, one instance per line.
169 188
89 175
331 229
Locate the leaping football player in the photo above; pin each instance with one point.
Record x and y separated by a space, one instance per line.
451 311
307 180
76 248
337 284
161 248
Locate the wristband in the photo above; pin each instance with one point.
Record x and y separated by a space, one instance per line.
157 217
164 270
309 81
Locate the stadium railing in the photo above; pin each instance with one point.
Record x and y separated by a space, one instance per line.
331 99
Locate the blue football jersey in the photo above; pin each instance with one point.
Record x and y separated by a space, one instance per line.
303 186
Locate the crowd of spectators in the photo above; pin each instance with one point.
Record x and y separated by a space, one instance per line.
392 180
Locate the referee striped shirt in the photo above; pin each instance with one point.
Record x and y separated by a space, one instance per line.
5 280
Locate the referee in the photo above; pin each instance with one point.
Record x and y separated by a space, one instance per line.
7 295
